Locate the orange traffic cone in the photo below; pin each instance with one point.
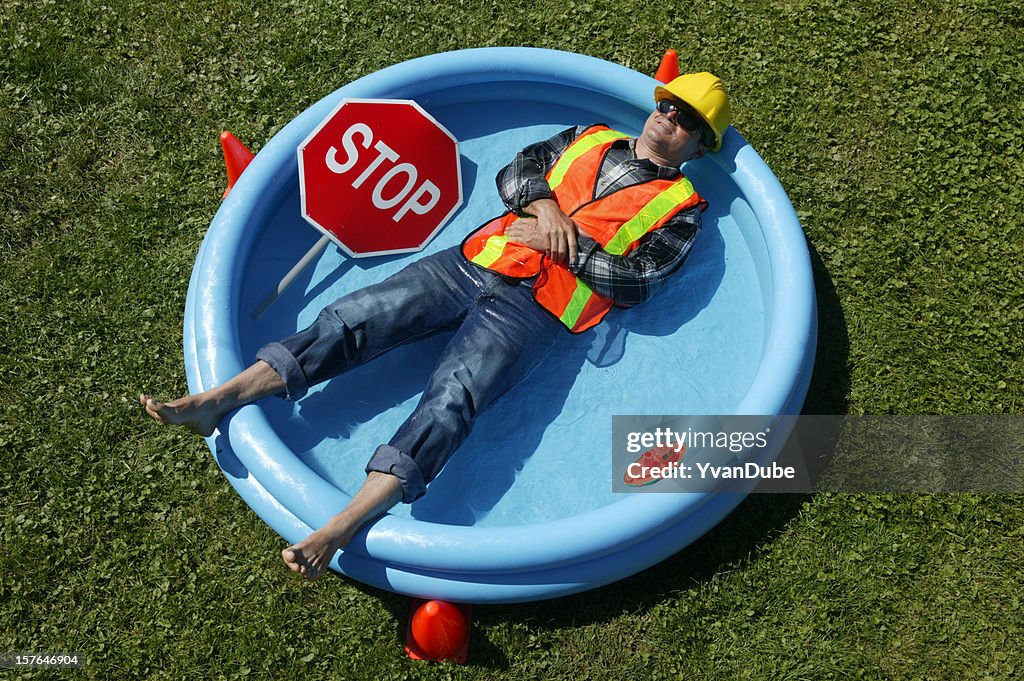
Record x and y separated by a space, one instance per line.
438 630
236 157
669 69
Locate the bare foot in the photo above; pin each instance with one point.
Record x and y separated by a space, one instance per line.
199 416
311 556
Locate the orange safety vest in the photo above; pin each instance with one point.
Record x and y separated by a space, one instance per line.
617 221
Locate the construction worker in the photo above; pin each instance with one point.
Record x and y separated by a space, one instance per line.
594 218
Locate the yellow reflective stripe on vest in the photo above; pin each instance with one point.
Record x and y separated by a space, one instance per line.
581 146
492 250
579 300
656 209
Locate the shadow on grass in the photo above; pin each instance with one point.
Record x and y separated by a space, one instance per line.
830 383
738 538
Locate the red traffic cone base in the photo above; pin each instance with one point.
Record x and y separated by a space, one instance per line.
438 630
669 69
236 157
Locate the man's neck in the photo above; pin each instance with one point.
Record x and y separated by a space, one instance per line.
643 151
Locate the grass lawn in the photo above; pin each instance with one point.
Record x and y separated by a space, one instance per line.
898 131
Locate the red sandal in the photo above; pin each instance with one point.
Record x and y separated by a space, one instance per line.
656 458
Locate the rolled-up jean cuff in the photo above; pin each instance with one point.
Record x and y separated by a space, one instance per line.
284 363
388 459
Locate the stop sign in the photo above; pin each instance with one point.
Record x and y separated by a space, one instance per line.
379 176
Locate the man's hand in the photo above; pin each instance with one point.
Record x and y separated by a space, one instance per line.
551 232
524 231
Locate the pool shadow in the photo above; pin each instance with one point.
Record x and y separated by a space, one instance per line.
755 523
811 449
736 540
829 392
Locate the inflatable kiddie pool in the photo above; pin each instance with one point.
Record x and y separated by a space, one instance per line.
524 510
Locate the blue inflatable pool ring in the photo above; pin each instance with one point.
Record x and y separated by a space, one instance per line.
524 510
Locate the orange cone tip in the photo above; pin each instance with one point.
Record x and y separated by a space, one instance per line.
236 158
438 630
669 69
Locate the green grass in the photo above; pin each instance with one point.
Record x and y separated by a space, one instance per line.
896 129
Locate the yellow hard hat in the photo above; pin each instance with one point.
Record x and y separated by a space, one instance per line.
706 94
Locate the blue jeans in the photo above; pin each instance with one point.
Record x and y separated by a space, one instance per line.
502 337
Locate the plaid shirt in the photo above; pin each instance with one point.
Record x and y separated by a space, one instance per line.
627 279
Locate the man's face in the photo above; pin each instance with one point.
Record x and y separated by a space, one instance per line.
671 141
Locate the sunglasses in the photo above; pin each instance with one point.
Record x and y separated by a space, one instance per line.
686 117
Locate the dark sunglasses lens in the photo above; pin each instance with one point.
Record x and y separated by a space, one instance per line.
685 117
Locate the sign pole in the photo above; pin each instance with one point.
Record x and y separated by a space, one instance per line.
290 277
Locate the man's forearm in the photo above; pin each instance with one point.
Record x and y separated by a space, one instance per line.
545 207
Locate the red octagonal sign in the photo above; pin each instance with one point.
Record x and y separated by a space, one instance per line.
379 176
